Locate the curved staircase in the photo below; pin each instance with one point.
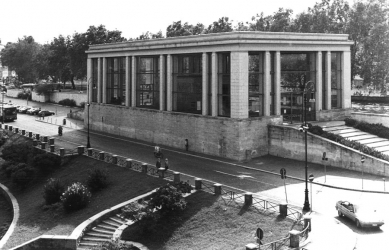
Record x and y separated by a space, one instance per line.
102 232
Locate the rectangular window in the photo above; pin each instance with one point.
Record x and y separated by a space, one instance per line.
256 84
187 83
210 84
95 72
116 80
147 82
224 84
336 80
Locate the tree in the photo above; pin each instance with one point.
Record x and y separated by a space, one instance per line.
222 25
177 29
59 58
22 57
148 35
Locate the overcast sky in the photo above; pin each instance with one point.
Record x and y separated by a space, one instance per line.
46 19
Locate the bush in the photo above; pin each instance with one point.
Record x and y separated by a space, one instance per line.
97 180
114 245
184 187
46 162
67 102
75 197
52 191
23 95
82 105
317 130
17 152
167 199
23 174
9 167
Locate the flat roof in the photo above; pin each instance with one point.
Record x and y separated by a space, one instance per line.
227 38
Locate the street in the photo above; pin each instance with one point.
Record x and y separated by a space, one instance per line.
261 176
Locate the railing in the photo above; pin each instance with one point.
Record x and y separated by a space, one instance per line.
137 166
152 171
277 244
121 162
207 187
108 158
304 234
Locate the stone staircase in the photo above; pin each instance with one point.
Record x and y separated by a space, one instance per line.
101 233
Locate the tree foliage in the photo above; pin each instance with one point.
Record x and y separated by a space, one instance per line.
178 29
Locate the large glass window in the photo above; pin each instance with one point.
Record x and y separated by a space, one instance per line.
147 85
224 85
256 82
209 84
336 80
94 80
187 83
116 84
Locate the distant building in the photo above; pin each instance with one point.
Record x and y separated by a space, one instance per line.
357 82
217 92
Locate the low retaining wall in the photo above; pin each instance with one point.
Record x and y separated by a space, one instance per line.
49 242
289 143
55 97
371 118
370 99
14 203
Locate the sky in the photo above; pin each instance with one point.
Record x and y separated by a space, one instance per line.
46 19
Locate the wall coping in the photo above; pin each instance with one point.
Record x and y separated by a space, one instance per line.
370 114
16 213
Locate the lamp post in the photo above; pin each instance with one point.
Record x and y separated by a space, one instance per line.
362 161
88 105
306 88
2 107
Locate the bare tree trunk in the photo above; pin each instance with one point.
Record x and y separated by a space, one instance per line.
72 81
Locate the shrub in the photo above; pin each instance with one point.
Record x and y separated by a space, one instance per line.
52 191
23 95
82 105
317 130
75 197
68 102
46 162
184 187
144 215
17 152
23 174
167 199
114 245
9 167
97 179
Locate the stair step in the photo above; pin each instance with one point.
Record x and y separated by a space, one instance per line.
112 223
106 227
108 236
100 230
117 220
88 244
94 239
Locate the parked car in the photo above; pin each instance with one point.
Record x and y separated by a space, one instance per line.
33 111
363 216
46 113
23 110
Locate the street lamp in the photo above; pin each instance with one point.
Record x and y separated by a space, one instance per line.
306 88
88 143
2 107
362 161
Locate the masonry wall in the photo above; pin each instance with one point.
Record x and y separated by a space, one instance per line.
289 143
333 114
237 139
371 118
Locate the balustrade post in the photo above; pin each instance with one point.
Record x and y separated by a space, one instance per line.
176 177
16 130
217 188
43 145
308 223
52 148
23 132
37 136
252 246
128 163
144 168
62 152
283 209
51 141
161 172
114 159
35 142
248 199
45 138
101 155
294 239
10 127
6 127
198 183
80 150
30 134
90 151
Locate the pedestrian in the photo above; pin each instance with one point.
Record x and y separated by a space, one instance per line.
60 130
166 164
158 163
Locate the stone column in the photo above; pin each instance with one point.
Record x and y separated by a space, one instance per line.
217 188
294 239
162 82
176 177
114 159
252 246
62 152
51 141
248 199
198 183
80 150
101 156
52 148
90 151
128 81
89 77
205 85
267 84
327 79
318 85
277 83
128 163
133 82
99 80
239 84
144 168
283 209
169 84
214 84
346 80
104 89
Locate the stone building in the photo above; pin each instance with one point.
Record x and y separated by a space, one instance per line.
217 92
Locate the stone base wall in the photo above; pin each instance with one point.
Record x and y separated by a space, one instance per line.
49 242
333 114
55 97
238 139
289 143
371 118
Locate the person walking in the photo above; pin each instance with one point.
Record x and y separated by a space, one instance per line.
158 163
60 130
166 164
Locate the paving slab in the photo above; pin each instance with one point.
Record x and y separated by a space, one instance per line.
377 144
372 140
335 128
344 131
329 123
381 149
361 137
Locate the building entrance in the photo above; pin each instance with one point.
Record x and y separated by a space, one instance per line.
292 107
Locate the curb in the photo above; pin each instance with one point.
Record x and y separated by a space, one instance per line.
16 212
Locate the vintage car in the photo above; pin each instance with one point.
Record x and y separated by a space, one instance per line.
363 216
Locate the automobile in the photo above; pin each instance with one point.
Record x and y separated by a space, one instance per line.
33 111
363 216
46 113
23 110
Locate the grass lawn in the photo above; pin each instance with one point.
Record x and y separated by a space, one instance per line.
5 215
35 220
208 223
